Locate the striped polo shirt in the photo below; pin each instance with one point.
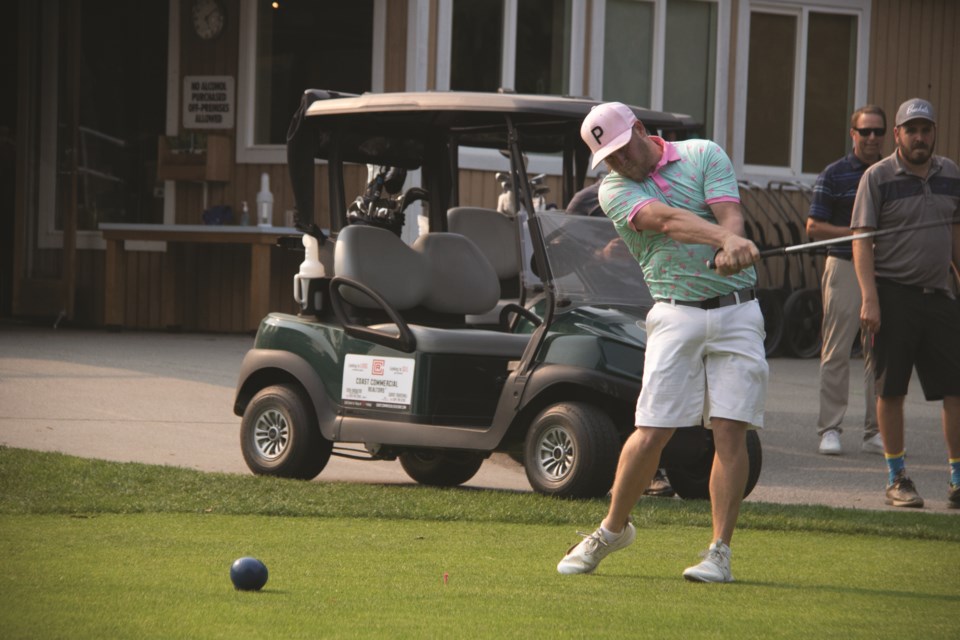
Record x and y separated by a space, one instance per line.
833 197
890 196
691 175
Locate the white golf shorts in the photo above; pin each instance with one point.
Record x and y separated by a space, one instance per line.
701 364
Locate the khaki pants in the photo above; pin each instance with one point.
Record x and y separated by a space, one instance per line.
841 321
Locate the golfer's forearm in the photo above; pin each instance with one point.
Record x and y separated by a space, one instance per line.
681 225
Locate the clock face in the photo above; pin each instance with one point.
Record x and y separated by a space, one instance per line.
208 18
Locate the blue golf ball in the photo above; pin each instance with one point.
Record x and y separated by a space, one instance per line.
248 574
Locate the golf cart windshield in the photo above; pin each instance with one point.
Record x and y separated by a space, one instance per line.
589 263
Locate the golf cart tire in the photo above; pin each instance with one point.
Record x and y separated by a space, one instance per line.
571 451
803 317
440 469
692 481
279 435
771 305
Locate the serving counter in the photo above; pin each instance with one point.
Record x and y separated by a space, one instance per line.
259 240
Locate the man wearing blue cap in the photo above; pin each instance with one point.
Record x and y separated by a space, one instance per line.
905 278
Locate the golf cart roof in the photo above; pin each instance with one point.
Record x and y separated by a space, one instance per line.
424 130
392 128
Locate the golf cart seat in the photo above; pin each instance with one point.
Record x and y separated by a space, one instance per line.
442 276
497 237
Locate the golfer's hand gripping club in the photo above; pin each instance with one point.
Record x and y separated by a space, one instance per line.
737 254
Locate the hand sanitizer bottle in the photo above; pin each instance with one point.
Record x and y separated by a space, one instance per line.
265 202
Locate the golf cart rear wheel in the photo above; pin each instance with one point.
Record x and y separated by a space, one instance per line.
771 305
571 451
441 469
279 435
803 317
691 478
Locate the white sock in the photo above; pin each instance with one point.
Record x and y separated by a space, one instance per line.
608 535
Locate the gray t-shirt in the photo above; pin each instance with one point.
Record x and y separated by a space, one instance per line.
889 196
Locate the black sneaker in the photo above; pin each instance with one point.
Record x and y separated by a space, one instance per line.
902 493
660 486
953 497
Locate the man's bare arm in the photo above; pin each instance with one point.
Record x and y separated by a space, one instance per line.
822 230
866 275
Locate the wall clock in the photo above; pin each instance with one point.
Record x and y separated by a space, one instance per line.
209 17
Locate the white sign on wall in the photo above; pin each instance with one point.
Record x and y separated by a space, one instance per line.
208 102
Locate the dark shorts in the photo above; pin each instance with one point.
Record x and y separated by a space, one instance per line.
919 330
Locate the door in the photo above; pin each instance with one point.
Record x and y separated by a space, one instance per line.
92 99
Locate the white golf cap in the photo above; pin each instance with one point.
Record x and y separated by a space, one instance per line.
607 128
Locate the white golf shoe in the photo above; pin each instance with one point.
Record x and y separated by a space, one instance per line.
715 566
830 443
587 554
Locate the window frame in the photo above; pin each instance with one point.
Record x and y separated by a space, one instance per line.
248 152
859 9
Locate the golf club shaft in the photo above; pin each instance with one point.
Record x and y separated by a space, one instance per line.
809 246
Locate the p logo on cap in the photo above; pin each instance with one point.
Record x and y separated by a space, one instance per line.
606 128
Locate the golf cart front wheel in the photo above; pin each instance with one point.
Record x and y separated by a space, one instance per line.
279 435
571 451
441 469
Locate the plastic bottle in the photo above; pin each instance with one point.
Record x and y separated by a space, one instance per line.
310 268
265 202
245 214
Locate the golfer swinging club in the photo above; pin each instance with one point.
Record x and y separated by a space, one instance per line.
676 205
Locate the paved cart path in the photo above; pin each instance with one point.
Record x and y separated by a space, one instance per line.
166 398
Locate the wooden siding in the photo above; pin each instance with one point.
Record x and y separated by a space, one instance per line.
914 52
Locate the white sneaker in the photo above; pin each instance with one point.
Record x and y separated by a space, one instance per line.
587 554
873 444
715 566
830 443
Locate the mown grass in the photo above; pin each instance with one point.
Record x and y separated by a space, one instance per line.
95 549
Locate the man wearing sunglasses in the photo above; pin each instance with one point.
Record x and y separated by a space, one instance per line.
829 217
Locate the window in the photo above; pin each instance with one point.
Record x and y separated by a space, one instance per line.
101 108
661 54
804 76
690 60
628 52
543 47
518 45
477 45
304 45
300 44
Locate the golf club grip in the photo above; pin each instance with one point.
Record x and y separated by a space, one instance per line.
767 253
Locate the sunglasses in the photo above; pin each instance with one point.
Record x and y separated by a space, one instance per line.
866 131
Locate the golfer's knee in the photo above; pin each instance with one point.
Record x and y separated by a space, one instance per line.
729 436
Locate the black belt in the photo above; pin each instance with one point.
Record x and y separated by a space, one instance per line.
912 287
744 295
